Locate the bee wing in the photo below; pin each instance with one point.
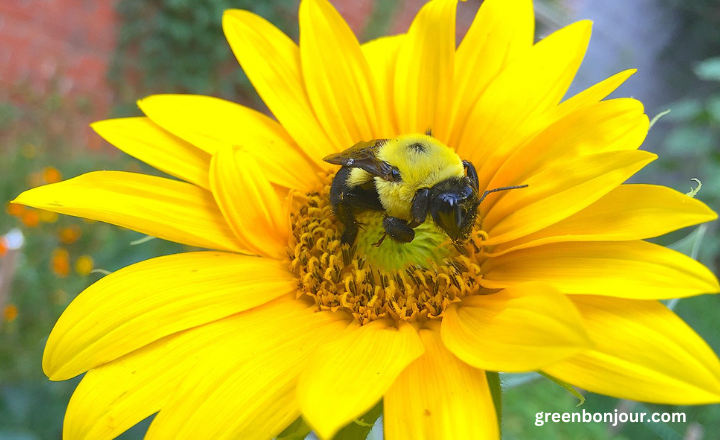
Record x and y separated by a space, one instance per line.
363 155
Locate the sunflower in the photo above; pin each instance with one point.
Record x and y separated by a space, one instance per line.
279 320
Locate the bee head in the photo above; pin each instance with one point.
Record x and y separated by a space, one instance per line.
453 206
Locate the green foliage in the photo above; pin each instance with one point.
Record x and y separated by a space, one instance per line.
167 46
297 430
695 138
709 70
702 17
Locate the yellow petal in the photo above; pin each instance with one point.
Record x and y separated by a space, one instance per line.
558 191
162 208
115 396
629 212
642 351
347 376
513 106
244 387
628 269
249 202
592 94
212 123
144 140
337 76
521 328
142 303
501 32
424 70
272 63
439 396
382 55
615 125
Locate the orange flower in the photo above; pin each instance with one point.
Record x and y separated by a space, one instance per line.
51 175
69 234
10 312
30 218
14 209
60 262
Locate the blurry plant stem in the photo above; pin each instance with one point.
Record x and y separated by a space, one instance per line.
8 266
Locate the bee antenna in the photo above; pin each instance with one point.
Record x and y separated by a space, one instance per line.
428 132
504 188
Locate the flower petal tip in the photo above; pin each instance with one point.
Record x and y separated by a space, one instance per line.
235 17
582 30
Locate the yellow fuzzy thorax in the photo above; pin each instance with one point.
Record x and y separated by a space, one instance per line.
422 161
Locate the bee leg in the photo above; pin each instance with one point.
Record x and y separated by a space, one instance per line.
350 233
379 242
471 174
348 201
398 229
345 214
420 207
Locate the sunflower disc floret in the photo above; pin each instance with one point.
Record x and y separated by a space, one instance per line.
338 276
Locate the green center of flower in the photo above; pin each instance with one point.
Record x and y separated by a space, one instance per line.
404 281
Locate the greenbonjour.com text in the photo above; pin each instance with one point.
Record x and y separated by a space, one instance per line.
612 418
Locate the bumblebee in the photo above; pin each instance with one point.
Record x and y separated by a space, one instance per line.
407 178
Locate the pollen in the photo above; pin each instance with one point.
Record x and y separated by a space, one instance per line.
413 282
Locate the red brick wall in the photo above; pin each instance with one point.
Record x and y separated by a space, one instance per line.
58 47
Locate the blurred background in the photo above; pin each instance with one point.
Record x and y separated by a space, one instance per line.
66 63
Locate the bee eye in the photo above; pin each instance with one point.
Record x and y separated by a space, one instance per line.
395 174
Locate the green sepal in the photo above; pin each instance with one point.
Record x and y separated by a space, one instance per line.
693 191
296 431
359 428
657 118
567 386
493 379
690 246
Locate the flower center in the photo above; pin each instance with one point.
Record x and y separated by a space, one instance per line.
412 281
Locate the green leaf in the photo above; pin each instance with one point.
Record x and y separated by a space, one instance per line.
684 110
709 69
687 140
493 379
713 108
360 428
567 386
